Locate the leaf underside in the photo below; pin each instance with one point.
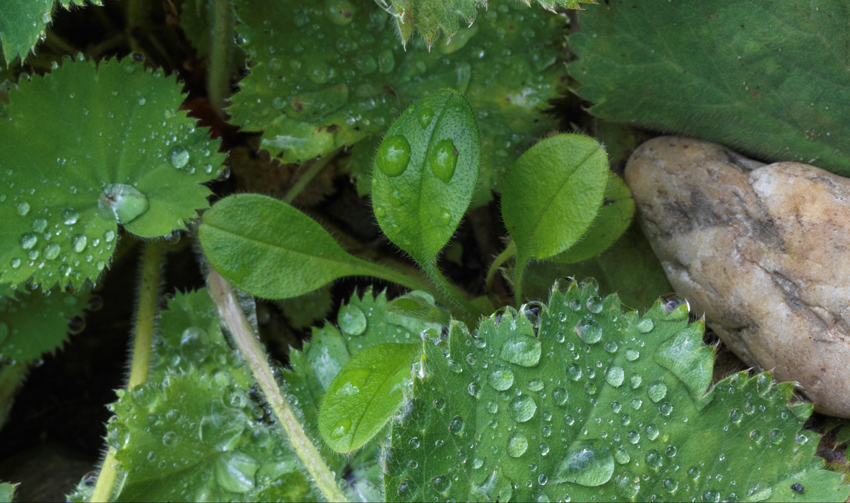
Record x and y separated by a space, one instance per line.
86 148
586 402
764 78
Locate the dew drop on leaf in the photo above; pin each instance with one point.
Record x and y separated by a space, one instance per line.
517 445
652 431
28 240
522 350
441 483
70 216
559 396
760 492
122 203
234 472
339 12
393 155
735 415
632 354
615 376
574 372
22 208
775 436
39 224
693 473
594 304
535 385
627 484
645 325
522 408
79 242
178 156
169 439
670 485
456 425
351 320
443 160
589 330
51 251
341 429
588 462
621 456
657 391
406 489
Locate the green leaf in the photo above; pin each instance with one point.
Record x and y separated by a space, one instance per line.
552 195
321 82
419 306
365 394
270 249
425 173
33 323
430 16
109 141
303 310
22 24
578 401
764 78
611 222
7 492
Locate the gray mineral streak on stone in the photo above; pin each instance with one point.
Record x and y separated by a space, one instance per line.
762 250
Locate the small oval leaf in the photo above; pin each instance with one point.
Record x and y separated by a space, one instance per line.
364 395
553 193
270 249
425 173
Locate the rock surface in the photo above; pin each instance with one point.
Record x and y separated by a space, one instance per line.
762 250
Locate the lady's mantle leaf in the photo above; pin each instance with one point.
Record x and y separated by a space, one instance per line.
85 149
328 77
425 173
766 78
22 22
7 492
270 249
584 402
33 323
365 394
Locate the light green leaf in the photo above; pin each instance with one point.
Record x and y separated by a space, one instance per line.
431 16
765 78
32 323
611 222
552 195
365 394
577 401
7 492
270 249
419 306
425 173
114 149
22 24
321 81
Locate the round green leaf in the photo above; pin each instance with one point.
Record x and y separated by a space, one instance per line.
425 173
364 395
86 148
270 249
553 193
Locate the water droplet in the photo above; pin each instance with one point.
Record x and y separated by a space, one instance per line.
522 408
633 436
69 216
456 425
615 376
651 431
51 251
589 463
589 330
711 495
760 492
627 484
443 160
635 381
735 416
474 389
22 208
109 236
611 347
756 436
414 443
670 485
517 445
39 224
559 396
665 409
645 325
676 306
594 304
775 436
121 202
425 116
621 456
406 489
636 403
170 439
234 472
351 320
632 354
393 155
492 407
28 240
574 372
535 385
446 217
439 404
657 391
339 12
79 241
178 156
380 211
441 483
522 350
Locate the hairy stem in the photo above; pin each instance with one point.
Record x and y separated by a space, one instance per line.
503 257
452 291
249 345
316 167
145 320
218 80
519 270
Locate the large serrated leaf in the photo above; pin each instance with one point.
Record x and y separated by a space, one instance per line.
767 78
22 22
85 149
32 323
579 401
322 81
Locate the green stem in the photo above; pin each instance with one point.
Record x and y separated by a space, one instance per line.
456 295
218 80
249 345
315 168
503 257
145 321
519 270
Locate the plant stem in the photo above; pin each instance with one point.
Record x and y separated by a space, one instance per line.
443 285
316 167
251 349
519 270
145 321
503 257
218 80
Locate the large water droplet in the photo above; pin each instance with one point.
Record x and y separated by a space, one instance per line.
341 428
645 325
615 376
339 12
178 156
456 425
70 216
393 155
574 372
441 483
522 350
627 484
425 116
559 396
28 240
121 202
621 455
760 492
39 224
80 242
501 379
522 408
406 490
657 391
589 330
517 445
51 251
589 463
351 320
234 472
443 160
170 439
22 208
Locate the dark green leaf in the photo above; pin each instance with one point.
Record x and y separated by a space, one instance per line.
365 394
767 78
22 23
303 310
270 249
613 219
425 173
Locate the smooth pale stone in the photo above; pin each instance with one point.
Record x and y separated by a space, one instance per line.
762 250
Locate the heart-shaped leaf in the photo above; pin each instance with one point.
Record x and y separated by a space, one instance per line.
425 173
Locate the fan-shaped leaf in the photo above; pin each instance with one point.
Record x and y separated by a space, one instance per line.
85 149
